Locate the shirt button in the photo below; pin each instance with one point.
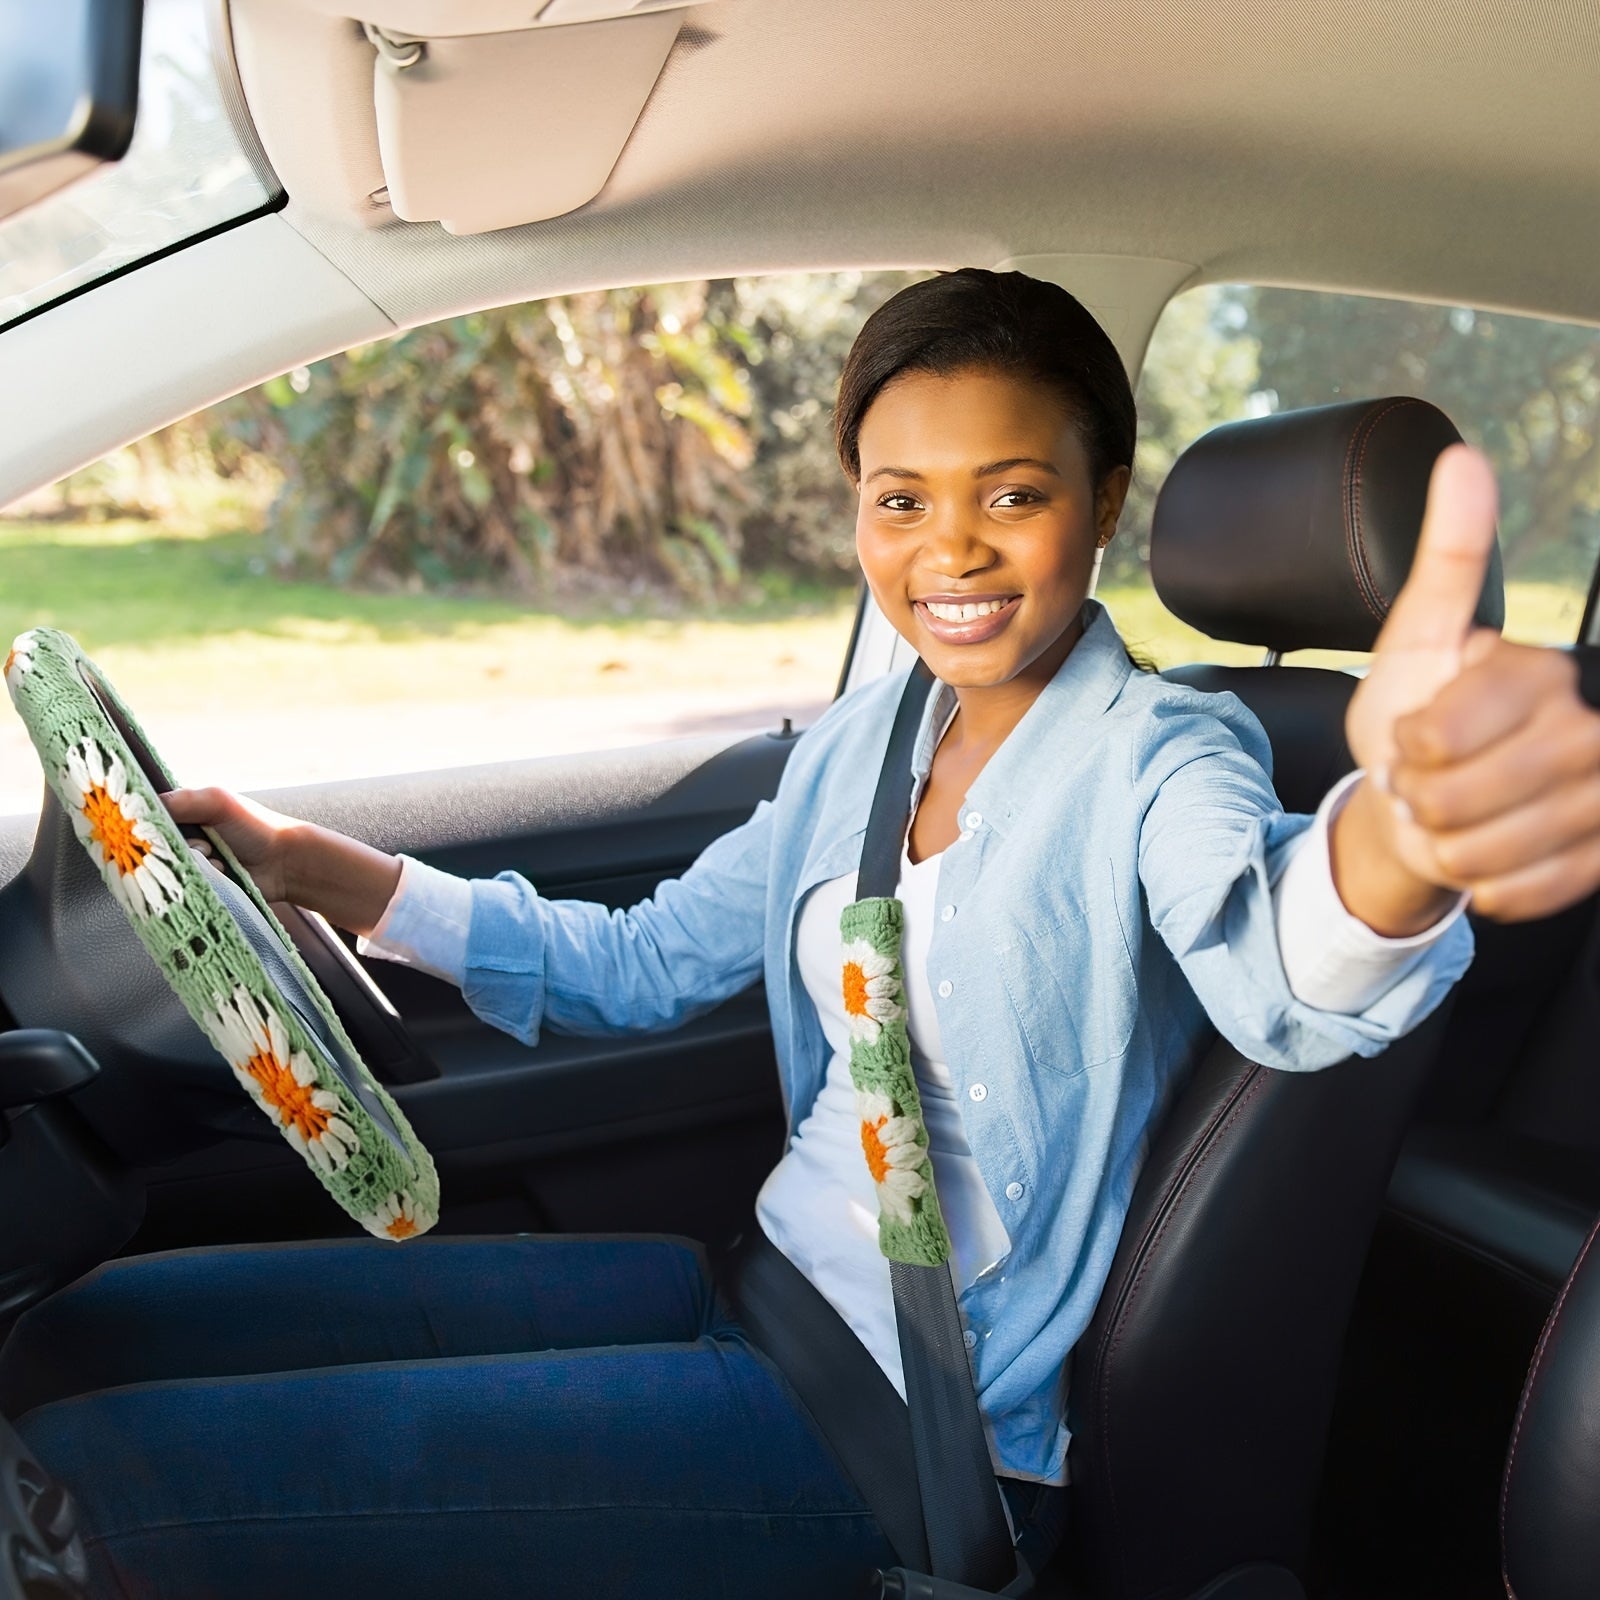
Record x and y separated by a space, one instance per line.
947 913
1013 1191
969 1338
979 1091
974 820
946 989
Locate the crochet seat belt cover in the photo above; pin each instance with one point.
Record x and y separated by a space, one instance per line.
369 1160
894 1138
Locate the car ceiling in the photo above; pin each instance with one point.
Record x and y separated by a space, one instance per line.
1444 151
1126 147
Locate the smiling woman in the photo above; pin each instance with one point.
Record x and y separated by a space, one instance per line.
989 427
1070 815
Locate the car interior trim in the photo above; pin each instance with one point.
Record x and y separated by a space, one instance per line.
151 345
219 31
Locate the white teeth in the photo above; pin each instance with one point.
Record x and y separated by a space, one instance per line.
970 612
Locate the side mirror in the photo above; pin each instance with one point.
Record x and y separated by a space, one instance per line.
69 91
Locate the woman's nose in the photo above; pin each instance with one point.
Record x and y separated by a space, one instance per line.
957 545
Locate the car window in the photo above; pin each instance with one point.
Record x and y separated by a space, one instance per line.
184 176
589 522
1524 389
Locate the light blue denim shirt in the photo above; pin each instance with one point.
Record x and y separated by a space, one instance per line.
1112 890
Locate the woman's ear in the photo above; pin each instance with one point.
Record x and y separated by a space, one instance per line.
1108 501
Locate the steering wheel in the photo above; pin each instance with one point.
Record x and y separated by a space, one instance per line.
218 945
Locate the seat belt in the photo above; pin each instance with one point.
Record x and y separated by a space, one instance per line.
969 1539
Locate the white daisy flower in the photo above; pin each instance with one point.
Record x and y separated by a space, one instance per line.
399 1217
134 860
893 1154
283 1082
19 661
871 990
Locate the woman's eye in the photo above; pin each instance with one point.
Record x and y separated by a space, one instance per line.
1018 497
898 502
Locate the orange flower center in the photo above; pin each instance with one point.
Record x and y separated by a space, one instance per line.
401 1228
112 829
874 1150
855 989
281 1091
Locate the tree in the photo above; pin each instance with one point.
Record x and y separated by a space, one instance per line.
593 434
1200 371
1526 390
673 437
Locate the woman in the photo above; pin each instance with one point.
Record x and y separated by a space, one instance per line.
1095 865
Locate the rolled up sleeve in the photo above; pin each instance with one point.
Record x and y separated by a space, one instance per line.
1331 958
425 923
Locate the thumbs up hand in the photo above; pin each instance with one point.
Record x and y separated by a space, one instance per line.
1483 764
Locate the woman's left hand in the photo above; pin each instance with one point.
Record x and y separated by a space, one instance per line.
1483 762
1501 773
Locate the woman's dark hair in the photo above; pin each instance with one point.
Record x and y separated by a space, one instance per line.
995 322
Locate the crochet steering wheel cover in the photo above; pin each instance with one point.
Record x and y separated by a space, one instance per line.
384 1179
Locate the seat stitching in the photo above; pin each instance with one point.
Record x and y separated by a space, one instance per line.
1522 1405
1355 545
1204 1148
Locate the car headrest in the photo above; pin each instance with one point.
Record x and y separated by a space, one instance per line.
1296 531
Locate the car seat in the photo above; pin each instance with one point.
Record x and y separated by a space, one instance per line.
1201 1394
1549 1530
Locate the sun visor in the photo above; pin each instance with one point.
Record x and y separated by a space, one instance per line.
480 130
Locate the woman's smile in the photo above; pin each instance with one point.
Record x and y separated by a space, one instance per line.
965 619
978 524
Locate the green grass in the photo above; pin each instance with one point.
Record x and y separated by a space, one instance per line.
184 617
1543 612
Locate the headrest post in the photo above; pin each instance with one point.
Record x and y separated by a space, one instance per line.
1272 658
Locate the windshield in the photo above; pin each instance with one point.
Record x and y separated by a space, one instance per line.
186 174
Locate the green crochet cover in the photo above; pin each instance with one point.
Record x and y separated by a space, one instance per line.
893 1137
393 1192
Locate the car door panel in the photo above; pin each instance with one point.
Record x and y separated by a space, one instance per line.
668 1132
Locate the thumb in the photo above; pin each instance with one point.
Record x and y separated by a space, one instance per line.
1435 608
202 806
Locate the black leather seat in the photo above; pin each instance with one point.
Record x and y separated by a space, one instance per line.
1550 1498
1201 1394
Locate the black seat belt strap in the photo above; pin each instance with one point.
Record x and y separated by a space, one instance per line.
969 1539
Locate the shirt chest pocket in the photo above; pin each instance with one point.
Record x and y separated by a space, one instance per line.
1070 980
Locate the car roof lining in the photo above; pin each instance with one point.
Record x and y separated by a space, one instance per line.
1372 146
1369 148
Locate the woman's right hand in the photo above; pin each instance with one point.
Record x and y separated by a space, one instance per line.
348 882
262 840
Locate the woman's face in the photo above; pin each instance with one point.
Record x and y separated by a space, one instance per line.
979 521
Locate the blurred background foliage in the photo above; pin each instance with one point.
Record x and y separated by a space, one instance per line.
674 440
671 438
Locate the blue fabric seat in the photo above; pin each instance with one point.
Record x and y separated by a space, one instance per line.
507 1417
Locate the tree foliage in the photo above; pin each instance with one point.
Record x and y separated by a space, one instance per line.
1526 390
679 437
670 436
1196 375
593 434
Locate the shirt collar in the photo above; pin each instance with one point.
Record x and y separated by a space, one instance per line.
1084 687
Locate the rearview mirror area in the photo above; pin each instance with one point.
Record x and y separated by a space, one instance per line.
69 92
